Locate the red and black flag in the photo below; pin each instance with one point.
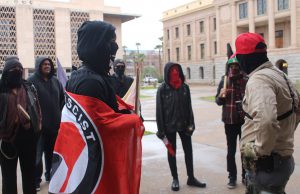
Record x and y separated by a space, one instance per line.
97 150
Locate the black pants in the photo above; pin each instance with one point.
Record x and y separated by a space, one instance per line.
232 131
188 154
25 145
45 145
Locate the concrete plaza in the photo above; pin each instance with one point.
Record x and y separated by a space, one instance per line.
209 148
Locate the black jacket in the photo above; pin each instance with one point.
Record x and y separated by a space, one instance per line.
173 106
91 79
50 95
121 85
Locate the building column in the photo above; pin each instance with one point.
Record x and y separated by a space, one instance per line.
171 39
251 16
233 25
182 57
218 29
194 45
271 24
207 46
293 24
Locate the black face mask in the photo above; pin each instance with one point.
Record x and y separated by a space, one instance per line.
120 71
113 50
14 79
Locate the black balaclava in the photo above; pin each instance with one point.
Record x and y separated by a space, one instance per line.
11 79
249 62
96 45
119 71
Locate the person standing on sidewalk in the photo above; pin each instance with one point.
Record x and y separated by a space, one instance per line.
20 122
51 98
174 115
272 110
230 96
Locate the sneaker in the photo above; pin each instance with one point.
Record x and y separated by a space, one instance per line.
194 182
231 184
37 187
175 185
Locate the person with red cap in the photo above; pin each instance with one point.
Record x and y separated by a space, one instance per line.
272 109
174 114
230 95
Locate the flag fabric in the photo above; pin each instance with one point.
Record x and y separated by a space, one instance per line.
97 150
130 96
61 75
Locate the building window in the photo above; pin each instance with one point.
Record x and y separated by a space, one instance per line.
262 34
188 29
201 26
283 4
44 33
169 55
177 32
8 33
168 35
76 19
189 51
188 71
243 10
215 47
261 7
215 24
202 51
177 54
201 73
279 38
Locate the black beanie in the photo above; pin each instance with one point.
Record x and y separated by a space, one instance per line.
11 62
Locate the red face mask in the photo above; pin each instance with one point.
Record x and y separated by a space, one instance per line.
174 77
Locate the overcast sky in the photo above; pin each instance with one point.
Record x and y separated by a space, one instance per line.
147 29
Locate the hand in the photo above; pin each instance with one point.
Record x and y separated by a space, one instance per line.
160 134
222 93
189 131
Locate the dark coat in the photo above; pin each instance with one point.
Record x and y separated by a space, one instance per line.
50 95
173 106
121 85
91 79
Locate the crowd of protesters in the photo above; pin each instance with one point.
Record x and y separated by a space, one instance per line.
260 107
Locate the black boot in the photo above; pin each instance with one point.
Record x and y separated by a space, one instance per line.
175 185
192 181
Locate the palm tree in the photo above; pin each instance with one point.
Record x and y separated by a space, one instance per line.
159 47
124 49
137 46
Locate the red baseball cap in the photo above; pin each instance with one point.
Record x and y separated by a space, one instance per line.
246 43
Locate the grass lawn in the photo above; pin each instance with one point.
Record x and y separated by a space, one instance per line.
208 98
148 133
298 86
144 96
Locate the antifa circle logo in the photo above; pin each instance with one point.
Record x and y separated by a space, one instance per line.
77 163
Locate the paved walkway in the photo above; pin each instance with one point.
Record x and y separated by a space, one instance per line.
209 148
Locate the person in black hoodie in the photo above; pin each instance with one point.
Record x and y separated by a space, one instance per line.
51 98
174 114
96 48
20 123
120 81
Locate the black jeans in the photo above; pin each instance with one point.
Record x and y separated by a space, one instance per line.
45 145
232 131
188 154
25 145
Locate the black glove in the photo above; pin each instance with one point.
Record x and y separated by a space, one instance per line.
189 131
160 134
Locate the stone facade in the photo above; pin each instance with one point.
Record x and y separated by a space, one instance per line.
44 28
196 34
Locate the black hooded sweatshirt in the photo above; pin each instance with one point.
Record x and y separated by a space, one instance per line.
173 106
92 78
51 97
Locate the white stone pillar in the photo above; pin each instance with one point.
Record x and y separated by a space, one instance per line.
182 57
233 25
293 24
25 41
251 16
63 36
271 23
194 46
207 46
218 29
